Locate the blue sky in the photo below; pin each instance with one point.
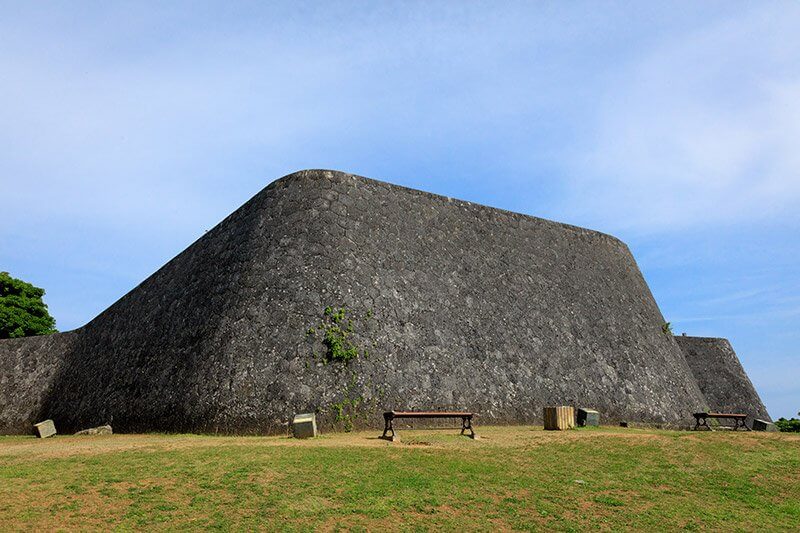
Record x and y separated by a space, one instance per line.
127 130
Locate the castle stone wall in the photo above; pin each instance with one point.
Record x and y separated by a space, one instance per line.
28 367
721 377
460 306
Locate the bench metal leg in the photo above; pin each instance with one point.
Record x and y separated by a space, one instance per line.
704 423
466 424
387 427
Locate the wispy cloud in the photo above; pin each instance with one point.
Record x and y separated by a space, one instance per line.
703 129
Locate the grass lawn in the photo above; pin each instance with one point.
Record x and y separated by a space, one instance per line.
512 478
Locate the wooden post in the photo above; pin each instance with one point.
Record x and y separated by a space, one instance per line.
559 417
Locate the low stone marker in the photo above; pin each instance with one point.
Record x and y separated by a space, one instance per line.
304 426
763 425
99 430
559 417
588 417
45 429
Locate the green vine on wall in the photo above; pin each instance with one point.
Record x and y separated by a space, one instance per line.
337 331
345 411
354 407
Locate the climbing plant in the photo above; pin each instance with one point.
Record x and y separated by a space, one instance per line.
336 335
338 330
354 406
345 411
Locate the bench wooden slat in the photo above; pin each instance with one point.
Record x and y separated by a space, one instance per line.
738 418
428 414
720 415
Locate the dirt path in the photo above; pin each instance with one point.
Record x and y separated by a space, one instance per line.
489 436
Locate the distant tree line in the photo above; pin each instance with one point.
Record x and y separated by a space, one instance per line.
792 424
22 311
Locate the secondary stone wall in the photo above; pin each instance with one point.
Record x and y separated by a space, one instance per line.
460 306
721 377
28 367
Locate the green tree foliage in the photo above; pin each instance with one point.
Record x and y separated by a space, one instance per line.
22 311
792 424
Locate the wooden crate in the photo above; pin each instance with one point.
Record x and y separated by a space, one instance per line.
559 417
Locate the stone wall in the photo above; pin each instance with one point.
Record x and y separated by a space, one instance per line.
460 306
28 367
721 377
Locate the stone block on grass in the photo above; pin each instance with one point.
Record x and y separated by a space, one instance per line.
588 417
99 430
763 425
45 428
304 426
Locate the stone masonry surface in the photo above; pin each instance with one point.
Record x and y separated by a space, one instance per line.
28 367
721 378
460 306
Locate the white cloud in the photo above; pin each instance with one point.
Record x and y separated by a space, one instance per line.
703 130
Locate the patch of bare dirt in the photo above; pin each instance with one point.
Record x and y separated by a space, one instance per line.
489 436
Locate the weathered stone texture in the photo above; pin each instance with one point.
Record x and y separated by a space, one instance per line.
304 426
28 368
99 430
587 417
45 428
721 377
763 425
473 308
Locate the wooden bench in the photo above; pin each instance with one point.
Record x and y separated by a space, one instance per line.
738 420
389 416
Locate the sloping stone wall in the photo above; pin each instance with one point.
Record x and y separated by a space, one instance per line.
460 306
28 367
720 376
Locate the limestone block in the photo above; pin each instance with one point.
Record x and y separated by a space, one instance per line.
45 429
559 417
763 425
99 430
304 426
588 417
